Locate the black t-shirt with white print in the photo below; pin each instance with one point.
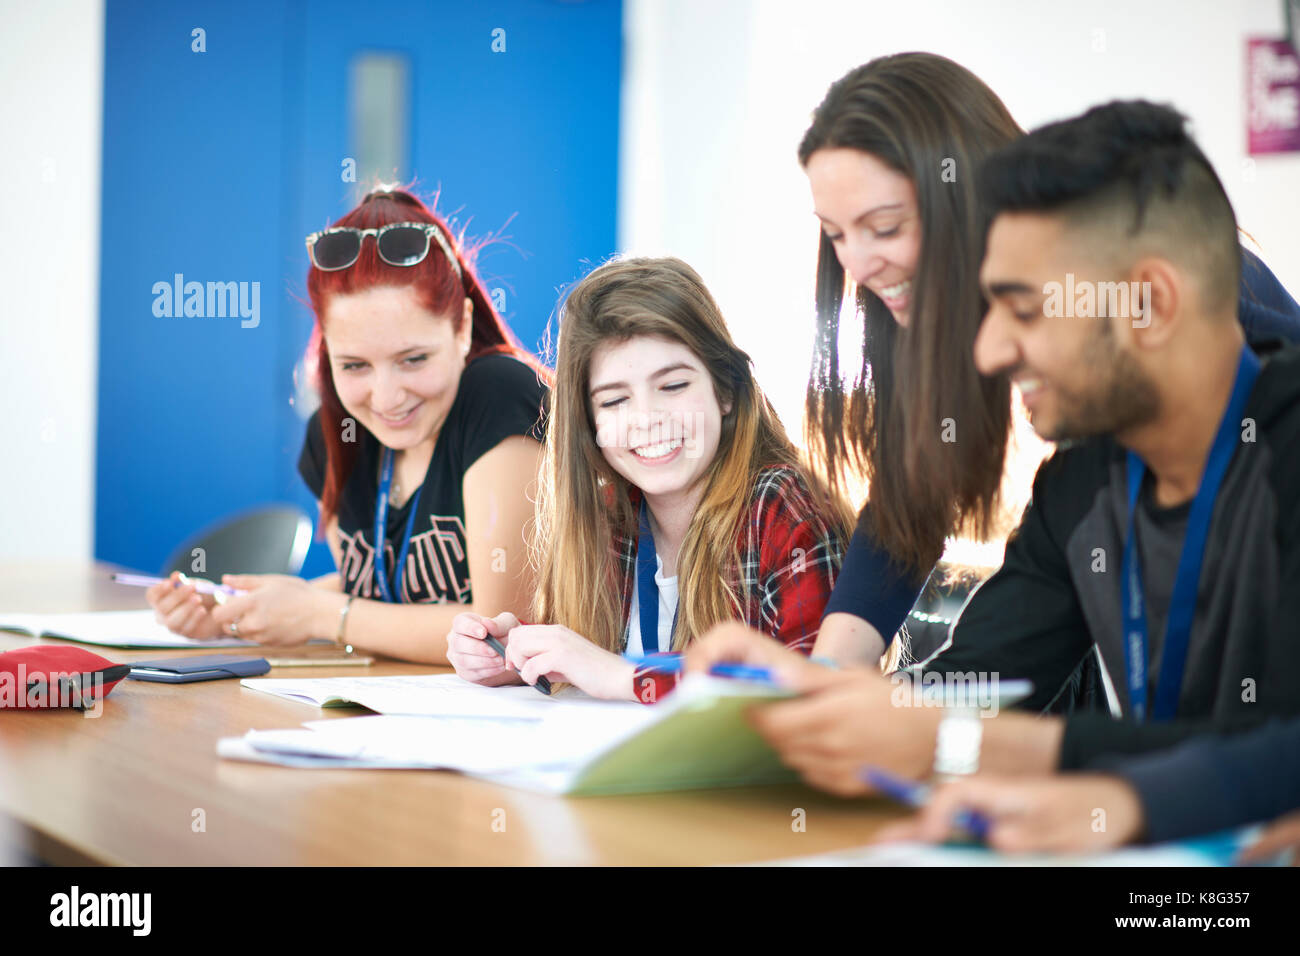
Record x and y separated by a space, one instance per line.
498 396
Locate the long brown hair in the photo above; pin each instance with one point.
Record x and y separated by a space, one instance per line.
583 502
925 428
440 290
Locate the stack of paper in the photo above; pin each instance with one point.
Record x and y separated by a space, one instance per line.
482 745
697 737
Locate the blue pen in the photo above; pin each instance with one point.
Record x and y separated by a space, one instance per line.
740 672
663 663
673 664
918 795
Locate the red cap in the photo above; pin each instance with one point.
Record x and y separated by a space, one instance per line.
52 675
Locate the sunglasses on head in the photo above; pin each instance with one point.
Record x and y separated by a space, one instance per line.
398 244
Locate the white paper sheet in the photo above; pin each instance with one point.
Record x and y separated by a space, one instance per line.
478 745
452 743
125 629
426 695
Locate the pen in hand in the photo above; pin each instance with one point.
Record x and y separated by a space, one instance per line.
542 684
917 795
219 591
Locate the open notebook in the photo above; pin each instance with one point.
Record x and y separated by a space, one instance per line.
696 738
425 695
125 629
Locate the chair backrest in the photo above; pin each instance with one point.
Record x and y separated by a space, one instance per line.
937 607
272 540
930 621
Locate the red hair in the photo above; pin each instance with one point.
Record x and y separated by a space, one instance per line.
438 289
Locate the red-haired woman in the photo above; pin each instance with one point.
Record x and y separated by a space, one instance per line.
421 454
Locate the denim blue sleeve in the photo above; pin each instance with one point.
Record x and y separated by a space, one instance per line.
1266 310
1213 783
871 586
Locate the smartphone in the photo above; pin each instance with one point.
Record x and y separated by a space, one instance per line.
187 670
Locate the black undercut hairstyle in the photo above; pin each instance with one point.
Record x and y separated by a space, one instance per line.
1129 174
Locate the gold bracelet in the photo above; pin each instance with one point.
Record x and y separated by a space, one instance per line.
343 623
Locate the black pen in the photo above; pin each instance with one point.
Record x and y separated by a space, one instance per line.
542 684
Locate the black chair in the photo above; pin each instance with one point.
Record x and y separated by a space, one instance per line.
272 540
940 603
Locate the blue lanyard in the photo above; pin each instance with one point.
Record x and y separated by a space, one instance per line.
1182 602
647 592
381 532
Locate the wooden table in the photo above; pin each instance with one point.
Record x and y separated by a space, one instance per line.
128 787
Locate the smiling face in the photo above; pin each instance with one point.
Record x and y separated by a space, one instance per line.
869 213
1077 374
658 419
396 366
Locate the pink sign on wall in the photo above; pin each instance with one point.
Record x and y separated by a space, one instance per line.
1272 97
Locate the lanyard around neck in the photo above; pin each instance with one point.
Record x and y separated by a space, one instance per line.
647 591
1182 602
381 532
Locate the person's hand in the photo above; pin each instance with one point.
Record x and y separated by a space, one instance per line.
557 653
182 609
278 609
1281 835
468 652
853 719
1075 813
734 643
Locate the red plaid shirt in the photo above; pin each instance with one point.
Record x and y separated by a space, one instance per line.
789 557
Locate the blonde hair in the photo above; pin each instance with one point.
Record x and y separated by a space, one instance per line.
583 503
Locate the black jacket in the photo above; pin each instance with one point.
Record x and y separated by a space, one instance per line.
1049 607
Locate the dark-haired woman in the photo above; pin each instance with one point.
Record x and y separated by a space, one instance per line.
891 157
421 454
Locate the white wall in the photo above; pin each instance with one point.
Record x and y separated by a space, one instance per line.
718 94
51 86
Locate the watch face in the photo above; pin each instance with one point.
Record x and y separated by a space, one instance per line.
957 747
965 734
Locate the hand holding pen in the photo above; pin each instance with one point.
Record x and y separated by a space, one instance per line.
182 604
1075 813
960 820
476 650
219 592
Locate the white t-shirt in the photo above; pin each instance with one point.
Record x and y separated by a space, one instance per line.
667 613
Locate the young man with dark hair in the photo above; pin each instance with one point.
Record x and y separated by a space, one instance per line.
1164 537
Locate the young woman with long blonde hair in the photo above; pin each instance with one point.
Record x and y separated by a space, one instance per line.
671 498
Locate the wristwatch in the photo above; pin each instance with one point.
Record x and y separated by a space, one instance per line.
957 744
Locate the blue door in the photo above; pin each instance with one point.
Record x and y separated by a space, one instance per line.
233 129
